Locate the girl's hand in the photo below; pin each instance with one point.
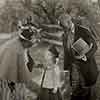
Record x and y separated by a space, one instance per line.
55 90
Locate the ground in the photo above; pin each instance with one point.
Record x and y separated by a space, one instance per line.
40 50
38 55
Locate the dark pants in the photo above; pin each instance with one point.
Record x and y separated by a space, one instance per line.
47 94
87 97
90 95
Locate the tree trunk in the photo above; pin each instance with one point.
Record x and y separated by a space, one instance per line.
99 2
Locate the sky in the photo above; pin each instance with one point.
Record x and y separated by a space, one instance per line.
2 2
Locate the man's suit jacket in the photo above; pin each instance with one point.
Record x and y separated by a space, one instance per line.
89 68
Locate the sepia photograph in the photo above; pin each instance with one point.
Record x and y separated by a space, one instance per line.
49 49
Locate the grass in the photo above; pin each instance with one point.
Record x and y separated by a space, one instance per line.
38 55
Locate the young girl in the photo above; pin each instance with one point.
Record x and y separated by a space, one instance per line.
51 82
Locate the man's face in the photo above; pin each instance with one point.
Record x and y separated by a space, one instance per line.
68 24
74 12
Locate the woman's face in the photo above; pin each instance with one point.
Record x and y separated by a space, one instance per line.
27 44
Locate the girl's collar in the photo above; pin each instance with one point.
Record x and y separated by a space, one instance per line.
73 28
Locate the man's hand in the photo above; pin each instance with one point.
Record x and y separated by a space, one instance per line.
83 57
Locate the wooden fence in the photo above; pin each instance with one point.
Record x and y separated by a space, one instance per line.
20 92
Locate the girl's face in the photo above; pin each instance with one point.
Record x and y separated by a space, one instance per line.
51 57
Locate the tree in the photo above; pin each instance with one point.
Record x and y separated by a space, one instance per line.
42 11
47 11
99 2
11 12
88 10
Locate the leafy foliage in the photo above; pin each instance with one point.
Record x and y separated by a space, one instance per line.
48 10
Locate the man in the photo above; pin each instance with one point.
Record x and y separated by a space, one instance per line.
83 68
